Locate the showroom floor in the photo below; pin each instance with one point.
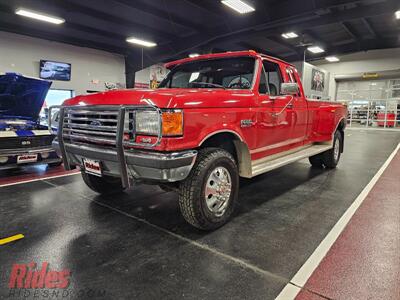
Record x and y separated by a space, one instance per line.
137 245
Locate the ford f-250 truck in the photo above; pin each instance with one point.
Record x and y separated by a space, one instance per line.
214 118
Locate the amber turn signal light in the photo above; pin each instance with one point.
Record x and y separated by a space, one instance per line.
172 123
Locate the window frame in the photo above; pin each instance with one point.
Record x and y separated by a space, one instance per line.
280 76
293 79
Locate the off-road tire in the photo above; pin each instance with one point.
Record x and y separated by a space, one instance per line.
192 190
105 185
329 158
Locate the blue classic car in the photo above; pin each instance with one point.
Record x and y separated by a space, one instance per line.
23 140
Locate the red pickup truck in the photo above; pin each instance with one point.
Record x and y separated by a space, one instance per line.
214 118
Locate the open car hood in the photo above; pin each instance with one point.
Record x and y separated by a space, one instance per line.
21 97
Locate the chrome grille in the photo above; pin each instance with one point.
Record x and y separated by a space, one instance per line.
97 127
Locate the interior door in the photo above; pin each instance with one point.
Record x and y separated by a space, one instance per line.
276 114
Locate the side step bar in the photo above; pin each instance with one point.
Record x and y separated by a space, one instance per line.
267 164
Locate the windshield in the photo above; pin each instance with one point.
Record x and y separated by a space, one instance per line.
225 73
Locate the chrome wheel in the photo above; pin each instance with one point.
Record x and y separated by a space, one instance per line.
336 150
218 191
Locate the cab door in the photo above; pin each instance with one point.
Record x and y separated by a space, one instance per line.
299 111
275 117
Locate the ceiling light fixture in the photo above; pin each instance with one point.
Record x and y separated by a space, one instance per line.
289 35
315 49
397 14
238 5
332 58
39 16
194 55
140 42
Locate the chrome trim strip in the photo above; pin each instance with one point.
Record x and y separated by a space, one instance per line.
7 152
123 169
264 165
220 131
90 139
88 132
91 127
61 138
277 145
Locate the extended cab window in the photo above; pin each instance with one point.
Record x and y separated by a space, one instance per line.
292 76
272 78
228 73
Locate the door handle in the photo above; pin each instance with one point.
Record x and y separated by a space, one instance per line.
288 105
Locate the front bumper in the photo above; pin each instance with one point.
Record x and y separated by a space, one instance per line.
139 164
12 155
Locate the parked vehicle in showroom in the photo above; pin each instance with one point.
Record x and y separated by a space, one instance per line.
213 119
23 140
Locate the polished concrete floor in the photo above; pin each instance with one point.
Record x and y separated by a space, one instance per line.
137 245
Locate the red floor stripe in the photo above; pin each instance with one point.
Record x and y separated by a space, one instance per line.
364 262
31 173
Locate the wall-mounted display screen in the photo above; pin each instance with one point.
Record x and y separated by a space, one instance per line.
53 70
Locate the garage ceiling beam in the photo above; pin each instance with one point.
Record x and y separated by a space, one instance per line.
270 28
214 7
350 30
67 31
61 38
369 27
316 39
249 46
94 12
160 13
291 49
352 47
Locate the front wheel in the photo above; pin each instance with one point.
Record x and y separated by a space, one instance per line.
208 196
105 185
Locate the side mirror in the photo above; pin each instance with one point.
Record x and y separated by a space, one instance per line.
289 88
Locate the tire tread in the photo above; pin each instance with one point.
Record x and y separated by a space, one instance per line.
191 187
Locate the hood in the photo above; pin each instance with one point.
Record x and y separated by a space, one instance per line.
21 97
169 98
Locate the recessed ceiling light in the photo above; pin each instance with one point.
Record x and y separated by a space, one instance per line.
332 58
289 35
238 5
141 42
194 55
397 14
315 49
39 16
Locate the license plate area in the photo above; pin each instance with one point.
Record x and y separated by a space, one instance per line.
27 158
92 167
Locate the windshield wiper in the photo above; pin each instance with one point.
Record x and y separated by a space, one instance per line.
209 84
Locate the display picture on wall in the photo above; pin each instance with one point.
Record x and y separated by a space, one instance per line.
317 80
53 70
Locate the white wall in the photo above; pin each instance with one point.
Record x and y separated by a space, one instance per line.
22 54
361 62
306 72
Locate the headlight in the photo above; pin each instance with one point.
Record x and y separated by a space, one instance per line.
45 155
147 122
